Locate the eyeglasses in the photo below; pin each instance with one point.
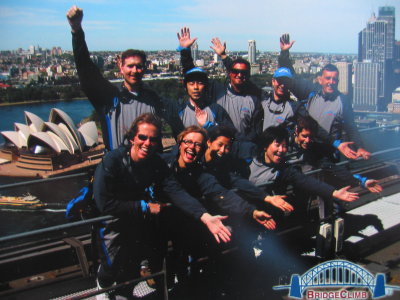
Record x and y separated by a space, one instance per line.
239 71
190 143
283 80
143 137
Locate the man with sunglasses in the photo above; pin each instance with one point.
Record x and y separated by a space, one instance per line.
119 106
277 106
240 97
325 104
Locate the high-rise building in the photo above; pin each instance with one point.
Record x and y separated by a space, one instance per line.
252 51
376 44
387 13
195 51
345 86
366 86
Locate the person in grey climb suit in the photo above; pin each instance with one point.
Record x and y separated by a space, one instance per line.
118 106
197 109
325 104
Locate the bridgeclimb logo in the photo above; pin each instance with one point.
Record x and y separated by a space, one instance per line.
338 279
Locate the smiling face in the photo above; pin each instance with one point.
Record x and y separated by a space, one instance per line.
280 86
132 69
304 138
275 152
329 81
218 148
239 76
190 148
145 142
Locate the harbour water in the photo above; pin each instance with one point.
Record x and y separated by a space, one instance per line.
62 191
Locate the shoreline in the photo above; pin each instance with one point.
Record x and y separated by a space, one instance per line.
38 102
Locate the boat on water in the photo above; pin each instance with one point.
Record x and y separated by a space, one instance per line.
27 202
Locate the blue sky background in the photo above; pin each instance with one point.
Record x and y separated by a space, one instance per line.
316 25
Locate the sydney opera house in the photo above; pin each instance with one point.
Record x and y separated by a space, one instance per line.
38 147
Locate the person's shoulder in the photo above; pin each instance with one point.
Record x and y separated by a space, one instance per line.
115 157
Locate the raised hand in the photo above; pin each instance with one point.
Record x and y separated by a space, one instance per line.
184 38
264 219
279 202
218 47
347 151
216 227
373 186
344 195
75 16
285 42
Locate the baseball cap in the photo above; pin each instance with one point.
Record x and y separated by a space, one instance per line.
282 72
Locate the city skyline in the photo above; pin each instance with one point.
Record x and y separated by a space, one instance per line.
316 26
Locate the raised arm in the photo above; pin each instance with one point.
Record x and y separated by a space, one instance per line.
220 48
95 86
185 42
300 88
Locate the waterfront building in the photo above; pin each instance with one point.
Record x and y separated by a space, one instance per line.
38 147
252 52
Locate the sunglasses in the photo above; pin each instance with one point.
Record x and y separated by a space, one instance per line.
190 143
242 72
283 80
143 137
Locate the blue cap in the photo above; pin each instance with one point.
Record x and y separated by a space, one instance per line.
195 69
283 72
195 74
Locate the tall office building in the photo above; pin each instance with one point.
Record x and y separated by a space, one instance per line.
345 85
366 86
252 51
195 51
387 13
376 45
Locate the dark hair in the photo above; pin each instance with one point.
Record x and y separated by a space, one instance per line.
240 61
221 130
196 129
306 122
330 68
133 52
147 118
268 136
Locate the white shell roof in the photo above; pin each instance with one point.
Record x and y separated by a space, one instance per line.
45 138
23 129
60 133
71 139
34 122
89 133
57 116
51 127
15 138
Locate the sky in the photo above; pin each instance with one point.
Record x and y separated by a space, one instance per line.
316 25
